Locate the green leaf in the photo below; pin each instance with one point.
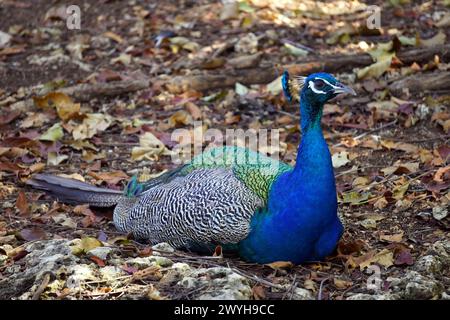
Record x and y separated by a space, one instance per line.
295 51
54 133
355 198
245 7
408 41
241 89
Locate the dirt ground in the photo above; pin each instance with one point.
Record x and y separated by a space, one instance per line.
390 145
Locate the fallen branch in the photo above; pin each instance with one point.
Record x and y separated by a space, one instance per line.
422 82
261 75
87 91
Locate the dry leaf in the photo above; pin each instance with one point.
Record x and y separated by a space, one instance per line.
384 258
64 105
259 293
22 204
111 178
340 159
113 36
54 159
84 245
342 284
150 146
194 110
93 123
381 203
398 237
180 117
32 234
280 265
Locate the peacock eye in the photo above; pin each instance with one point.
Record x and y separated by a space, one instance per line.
319 84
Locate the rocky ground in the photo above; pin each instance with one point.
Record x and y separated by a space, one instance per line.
100 104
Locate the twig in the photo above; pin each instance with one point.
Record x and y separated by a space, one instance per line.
370 132
291 288
319 296
444 137
42 286
256 278
356 169
390 179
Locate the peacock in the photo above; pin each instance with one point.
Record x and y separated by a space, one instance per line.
244 201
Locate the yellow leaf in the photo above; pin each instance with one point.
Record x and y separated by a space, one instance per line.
84 245
180 117
75 176
113 36
280 265
382 55
64 105
399 191
375 70
384 258
342 284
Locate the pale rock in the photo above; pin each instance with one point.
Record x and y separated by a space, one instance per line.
78 274
221 283
302 294
145 262
111 273
366 296
419 287
45 256
429 264
100 252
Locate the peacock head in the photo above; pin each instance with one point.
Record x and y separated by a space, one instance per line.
317 88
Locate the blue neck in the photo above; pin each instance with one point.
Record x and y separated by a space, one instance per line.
313 169
313 156
300 222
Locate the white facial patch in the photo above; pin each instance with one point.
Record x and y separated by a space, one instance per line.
313 88
331 85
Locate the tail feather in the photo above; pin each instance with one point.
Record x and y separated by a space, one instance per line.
75 192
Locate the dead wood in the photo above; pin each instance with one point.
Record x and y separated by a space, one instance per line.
422 82
87 91
263 75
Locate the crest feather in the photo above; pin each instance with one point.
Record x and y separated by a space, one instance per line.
292 87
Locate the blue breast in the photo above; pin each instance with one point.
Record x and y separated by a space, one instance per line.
300 223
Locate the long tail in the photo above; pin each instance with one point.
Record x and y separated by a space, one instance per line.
75 192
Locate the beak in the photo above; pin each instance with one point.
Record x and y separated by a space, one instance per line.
340 88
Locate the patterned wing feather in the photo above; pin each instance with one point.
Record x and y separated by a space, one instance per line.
204 206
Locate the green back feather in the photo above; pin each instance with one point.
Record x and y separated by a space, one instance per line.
255 170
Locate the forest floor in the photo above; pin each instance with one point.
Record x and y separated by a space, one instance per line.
78 102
